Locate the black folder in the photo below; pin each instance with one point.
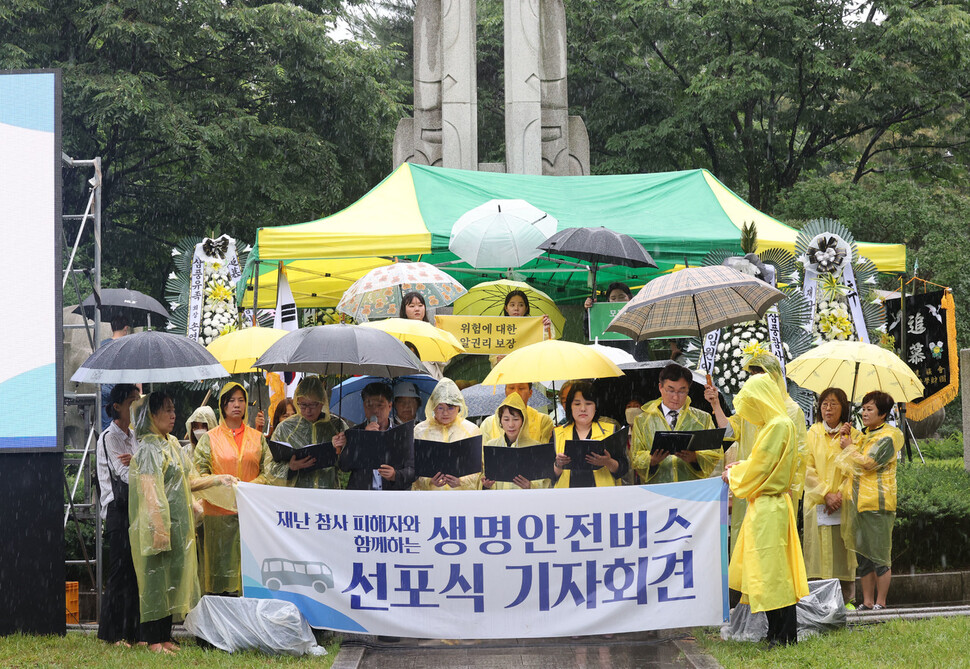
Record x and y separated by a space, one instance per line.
457 458
577 449
324 453
371 449
696 440
533 462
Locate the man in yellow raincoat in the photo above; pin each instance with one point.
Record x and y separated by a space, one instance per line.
671 412
513 418
313 424
234 448
766 562
759 360
446 411
540 424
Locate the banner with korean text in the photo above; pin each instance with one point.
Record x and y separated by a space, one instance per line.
480 564
487 335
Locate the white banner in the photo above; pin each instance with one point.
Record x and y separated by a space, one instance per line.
489 565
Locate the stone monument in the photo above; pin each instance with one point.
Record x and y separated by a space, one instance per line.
540 136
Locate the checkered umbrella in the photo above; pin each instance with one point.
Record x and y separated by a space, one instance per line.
694 301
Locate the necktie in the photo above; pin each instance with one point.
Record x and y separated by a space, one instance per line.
672 417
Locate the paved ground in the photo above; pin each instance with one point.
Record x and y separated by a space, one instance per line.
671 648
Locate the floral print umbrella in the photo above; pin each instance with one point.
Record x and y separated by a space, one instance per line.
378 293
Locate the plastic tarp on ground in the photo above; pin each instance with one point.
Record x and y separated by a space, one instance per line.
678 216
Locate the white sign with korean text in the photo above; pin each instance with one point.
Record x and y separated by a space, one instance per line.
490 564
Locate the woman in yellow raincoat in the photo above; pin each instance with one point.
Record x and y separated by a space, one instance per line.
514 420
869 463
234 448
584 423
766 563
758 359
161 521
827 546
446 411
313 424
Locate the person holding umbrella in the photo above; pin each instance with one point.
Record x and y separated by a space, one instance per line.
870 494
312 425
766 562
446 411
584 423
235 449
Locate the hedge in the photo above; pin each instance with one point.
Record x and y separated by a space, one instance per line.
932 517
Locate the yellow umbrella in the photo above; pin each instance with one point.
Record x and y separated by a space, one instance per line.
433 344
856 368
488 299
238 350
552 359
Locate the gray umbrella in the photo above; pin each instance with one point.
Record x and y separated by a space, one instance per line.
598 245
484 400
149 357
340 349
140 309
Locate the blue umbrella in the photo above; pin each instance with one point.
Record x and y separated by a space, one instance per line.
345 397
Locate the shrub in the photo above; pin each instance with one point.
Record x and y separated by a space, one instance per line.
942 449
932 529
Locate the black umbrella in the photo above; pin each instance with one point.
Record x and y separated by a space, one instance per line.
137 307
598 245
150 357
642 380
341 349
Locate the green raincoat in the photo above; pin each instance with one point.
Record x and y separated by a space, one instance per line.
446 392
162 526
671 468
524 439
299 432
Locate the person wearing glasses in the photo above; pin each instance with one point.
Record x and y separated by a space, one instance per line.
446 411
312 424
672 412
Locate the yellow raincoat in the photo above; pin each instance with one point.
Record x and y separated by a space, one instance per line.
827 548
524 439
650 421
766 563
218 453
869 492
299 432
161 523
446 392
599 431
540 426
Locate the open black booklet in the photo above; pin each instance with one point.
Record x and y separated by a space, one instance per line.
371 449
578 449
324 453
687 440
533 462
457 458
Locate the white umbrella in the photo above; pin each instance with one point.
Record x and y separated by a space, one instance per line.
501 233
617 355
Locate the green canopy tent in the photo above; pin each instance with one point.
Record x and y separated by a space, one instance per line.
678 216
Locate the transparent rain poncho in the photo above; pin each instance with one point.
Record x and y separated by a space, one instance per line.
299 432
766 563
827 548
162 526
218 453
446 392
869 492
524 439
650 421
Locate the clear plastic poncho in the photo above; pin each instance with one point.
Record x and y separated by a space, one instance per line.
869 492
218 453
299 432
827 548
446 392
650 421
162 526
203 414
767 566
524 439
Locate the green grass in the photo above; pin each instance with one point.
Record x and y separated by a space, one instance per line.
936 642
83 650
